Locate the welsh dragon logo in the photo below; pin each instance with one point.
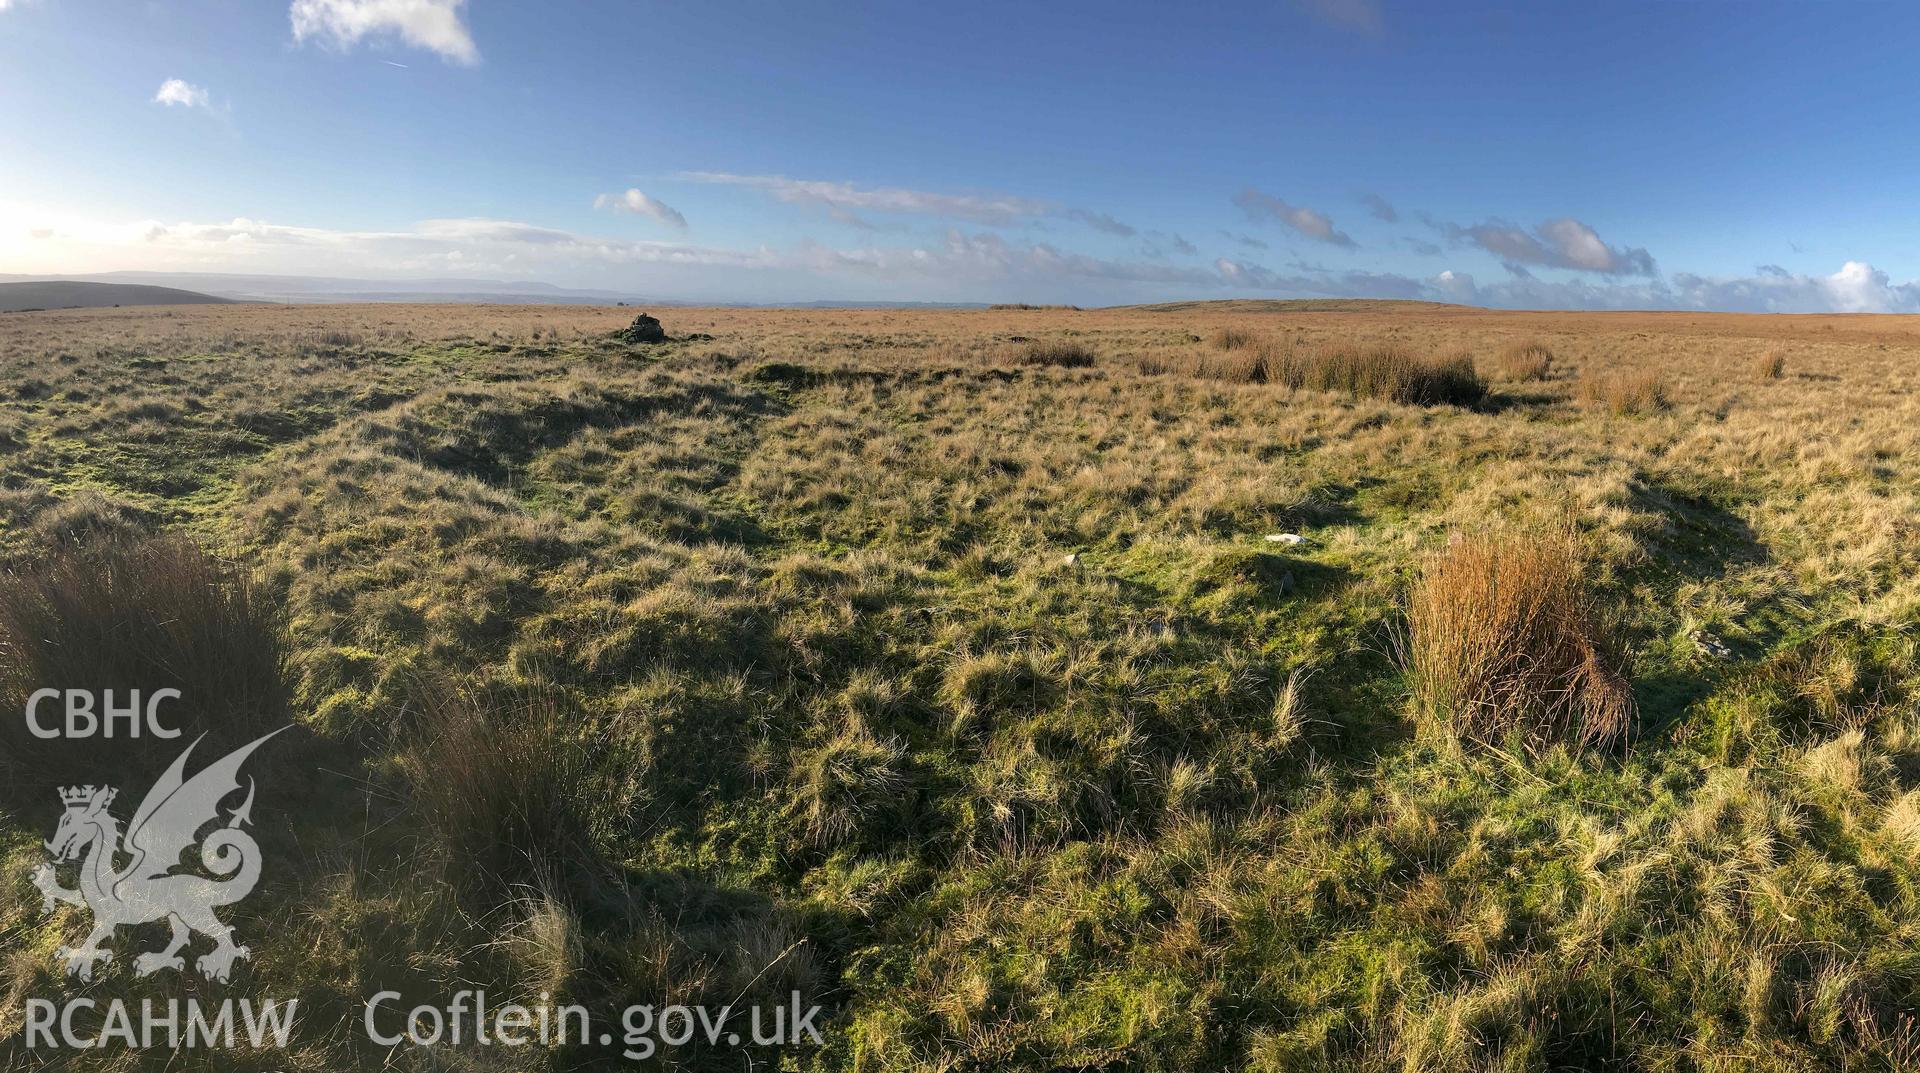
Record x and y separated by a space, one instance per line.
147 888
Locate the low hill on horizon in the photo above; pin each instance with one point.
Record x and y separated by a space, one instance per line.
70 294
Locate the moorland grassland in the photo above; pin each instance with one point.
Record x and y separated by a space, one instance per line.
938 665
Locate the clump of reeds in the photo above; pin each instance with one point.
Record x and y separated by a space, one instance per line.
1503 639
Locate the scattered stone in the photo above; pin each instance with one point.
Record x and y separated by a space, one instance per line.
1709 645
1159 626
1072 559
644 329
1285 583
1289 539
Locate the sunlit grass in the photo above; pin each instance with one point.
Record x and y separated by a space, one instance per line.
939 664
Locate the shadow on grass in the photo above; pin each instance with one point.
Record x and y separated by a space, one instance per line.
1702 537
1665 696
1500 402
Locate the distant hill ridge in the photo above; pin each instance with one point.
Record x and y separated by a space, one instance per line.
69 294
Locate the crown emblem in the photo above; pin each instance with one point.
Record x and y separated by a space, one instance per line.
80 795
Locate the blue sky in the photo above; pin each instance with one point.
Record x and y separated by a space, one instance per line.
1527 155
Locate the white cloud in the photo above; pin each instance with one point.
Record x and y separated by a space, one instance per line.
1449 286
176 91
244 244
992 209
1857 287
1259 205
1456 286
1355 284
844 201
481 229
1861 288
1530 293
989 259
435 25
1561 243
636 202
477 245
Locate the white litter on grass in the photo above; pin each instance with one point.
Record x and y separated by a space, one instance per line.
1710 645
1286 538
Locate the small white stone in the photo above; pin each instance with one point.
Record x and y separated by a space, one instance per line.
1285 538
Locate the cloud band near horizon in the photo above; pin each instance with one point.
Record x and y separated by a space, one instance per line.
961 266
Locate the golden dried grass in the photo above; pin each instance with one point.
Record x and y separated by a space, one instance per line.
1503 639
1626 393
1524 361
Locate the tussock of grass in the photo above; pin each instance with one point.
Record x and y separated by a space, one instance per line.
1504 641
1060 353
1381 372
82 519
136 615
1626 393
1525 361
1770 365
1847 762
1902 821
846 782
507 785
1243 365
1231 338
1378 371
